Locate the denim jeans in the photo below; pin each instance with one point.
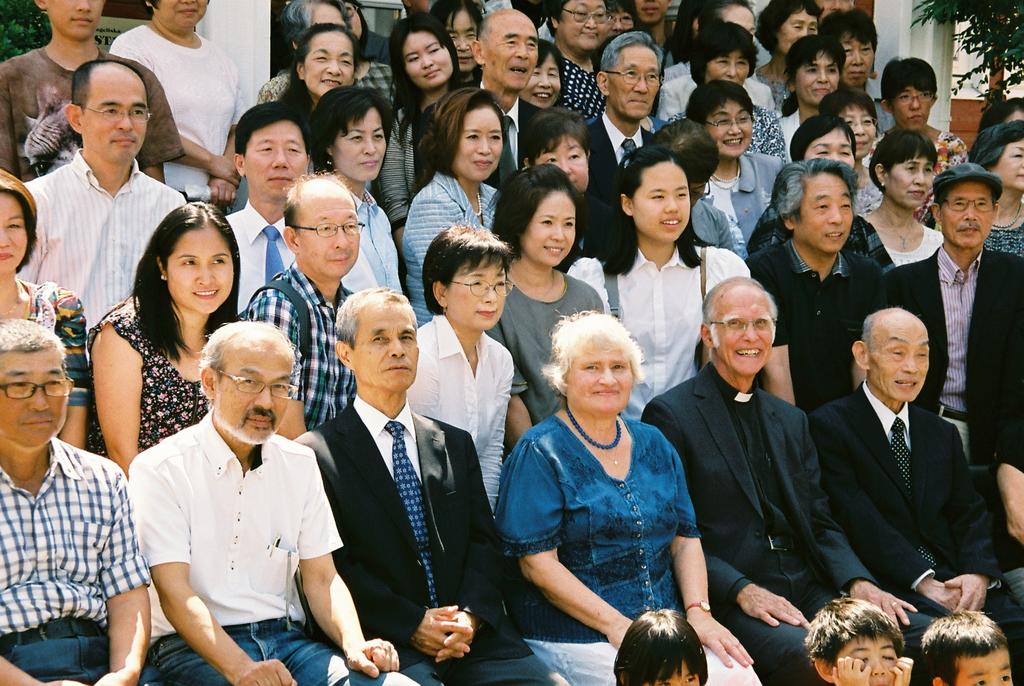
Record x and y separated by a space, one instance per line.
82 658
309 662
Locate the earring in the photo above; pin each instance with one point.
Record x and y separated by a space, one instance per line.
163 277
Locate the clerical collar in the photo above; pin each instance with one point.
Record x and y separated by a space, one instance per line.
728 392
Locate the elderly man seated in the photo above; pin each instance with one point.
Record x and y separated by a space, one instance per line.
774 554
899 483
228 513
73 604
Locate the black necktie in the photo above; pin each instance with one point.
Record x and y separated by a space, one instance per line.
507 164
901 454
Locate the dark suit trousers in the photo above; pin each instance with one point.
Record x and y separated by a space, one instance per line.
523 671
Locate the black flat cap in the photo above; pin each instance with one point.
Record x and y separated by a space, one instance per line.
968 171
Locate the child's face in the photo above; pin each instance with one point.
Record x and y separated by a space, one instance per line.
877 657
987 670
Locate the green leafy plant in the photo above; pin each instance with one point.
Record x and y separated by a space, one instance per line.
22 28
990 29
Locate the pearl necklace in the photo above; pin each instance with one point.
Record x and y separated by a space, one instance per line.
725 184
1012 221
480 204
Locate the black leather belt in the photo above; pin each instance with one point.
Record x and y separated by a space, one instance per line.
66 627
952 414
781 543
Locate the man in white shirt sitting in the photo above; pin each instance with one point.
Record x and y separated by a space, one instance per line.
227 513
271 151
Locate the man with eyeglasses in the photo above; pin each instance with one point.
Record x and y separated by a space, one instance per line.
774 554
96 214
322 231
73 602
228 513
629 78
972 301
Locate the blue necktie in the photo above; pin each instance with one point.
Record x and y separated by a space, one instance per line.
628 147
273 264
409 491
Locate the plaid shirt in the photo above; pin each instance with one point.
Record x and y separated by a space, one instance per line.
70 548
326 386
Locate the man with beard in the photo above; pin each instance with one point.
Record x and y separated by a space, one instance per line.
228 512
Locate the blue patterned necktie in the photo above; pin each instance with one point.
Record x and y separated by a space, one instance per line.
273 263
628 147
901 453
410 492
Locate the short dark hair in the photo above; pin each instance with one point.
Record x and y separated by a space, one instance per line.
844 620
623 243
775 14
553 8
712 11
694 146
961 634
838 100
407 96
814 128
908 72
998 112
12 186
446 10
523 193
338 109
656 646
296 93
991 143
547 128
82 76
546 49
898 146
453 249
804 53
440 143
154 306
263 115
711 96
855 24
720 39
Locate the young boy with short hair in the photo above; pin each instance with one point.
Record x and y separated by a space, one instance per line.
853 643
966 648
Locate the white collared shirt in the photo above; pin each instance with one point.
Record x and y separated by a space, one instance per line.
662 309
247 225
242 535
89 241
447 389
513 130
887 416
377 264
617 137
374 420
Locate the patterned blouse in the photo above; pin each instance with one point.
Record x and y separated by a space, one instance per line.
1009 240
59 310
169 402
767 137
579 91
780 89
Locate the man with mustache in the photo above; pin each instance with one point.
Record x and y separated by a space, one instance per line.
228 512
73 602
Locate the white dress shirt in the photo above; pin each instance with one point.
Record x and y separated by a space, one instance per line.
374 420
90 242
513 130
662 309
447 389
247 225
789 124
242 535
617 137
377 264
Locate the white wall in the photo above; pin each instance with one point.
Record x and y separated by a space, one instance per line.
242 29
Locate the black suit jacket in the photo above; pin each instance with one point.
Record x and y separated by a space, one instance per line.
885 523
379 560
526 112
995 388
694 418
602 163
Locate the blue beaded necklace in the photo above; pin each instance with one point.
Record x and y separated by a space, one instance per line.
591 441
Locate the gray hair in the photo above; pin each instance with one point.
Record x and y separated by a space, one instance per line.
236 333
867 332
788 193
347 322
990 143
723 287
611 54
23 336
297 16
584 331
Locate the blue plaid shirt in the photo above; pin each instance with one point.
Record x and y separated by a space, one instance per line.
326 386
67 550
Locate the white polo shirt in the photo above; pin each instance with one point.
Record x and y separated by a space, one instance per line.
242 535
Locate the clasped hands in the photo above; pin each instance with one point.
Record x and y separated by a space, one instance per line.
445 633
772 609
964 592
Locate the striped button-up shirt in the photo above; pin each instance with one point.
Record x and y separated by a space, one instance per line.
958 288
326 386
89 241
67 550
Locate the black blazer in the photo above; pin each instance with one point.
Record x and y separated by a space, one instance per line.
995 369
885 523
379 561
526 112
694 418
602 163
